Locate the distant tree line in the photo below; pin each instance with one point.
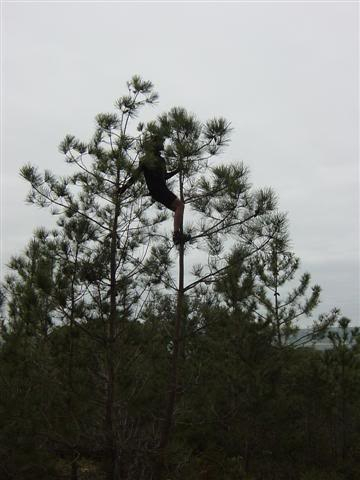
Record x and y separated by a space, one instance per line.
123 358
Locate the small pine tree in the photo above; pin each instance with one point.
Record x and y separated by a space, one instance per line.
278 304
343 373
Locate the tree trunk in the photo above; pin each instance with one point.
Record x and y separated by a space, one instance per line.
109 414
174 376
74 470
74 464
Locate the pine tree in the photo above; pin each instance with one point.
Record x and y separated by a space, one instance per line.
28 379
343 372
102 208
221 204
275 269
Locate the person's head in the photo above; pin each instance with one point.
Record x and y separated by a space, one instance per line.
157 142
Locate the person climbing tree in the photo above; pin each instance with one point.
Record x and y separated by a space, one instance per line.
153 166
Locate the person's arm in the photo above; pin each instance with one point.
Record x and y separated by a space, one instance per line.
131 181
171 174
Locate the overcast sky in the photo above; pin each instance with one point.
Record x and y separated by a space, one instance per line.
284 73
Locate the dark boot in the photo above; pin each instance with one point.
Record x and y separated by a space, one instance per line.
180 237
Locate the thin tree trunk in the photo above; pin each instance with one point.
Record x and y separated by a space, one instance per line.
74 464
74 470
109 415
276 295
174 376
343 408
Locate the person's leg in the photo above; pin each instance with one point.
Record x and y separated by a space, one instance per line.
167 198
177 207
